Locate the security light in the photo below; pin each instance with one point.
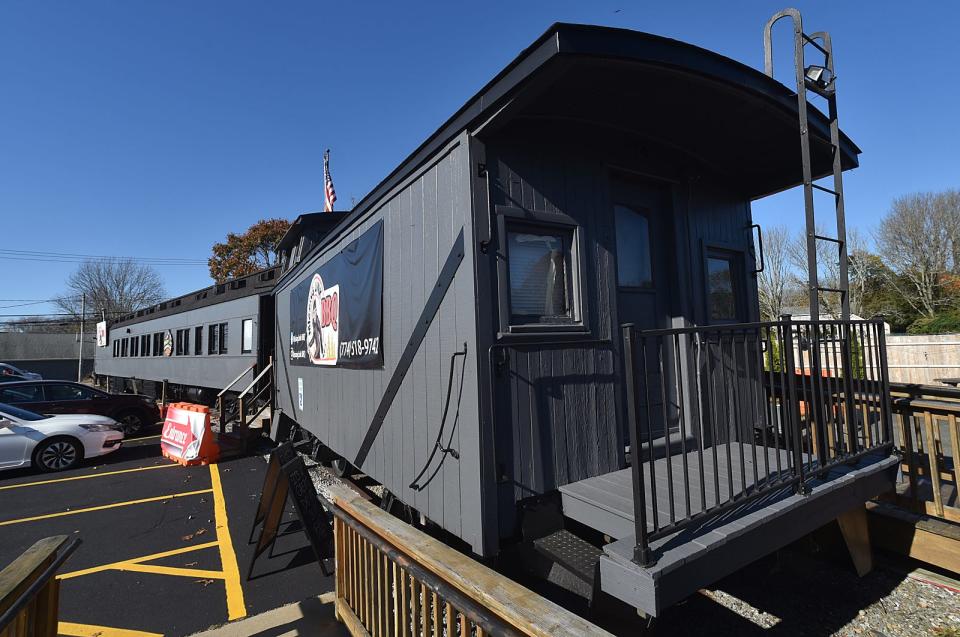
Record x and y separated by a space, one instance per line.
819 79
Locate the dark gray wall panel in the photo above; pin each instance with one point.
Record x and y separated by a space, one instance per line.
422 218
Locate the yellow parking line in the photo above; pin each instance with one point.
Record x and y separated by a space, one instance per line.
85 477
105 506
138 560
236 608
170 570
89 630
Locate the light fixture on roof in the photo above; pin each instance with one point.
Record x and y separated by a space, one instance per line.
819 79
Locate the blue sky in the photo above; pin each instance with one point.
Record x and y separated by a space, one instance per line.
151 129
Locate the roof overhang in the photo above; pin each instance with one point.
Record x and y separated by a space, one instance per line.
718 110
727 117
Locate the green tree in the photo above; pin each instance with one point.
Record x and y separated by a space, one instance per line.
243 254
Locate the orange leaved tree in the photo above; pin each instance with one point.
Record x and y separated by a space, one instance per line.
245 253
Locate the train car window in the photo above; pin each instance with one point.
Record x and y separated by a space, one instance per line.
223 338
634 269
123 348
134 346
724 291
178 348
186 341
145 345
198 341
158 344
540 275
213 339
116 349
247 345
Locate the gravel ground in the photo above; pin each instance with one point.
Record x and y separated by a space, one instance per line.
807 589
804 590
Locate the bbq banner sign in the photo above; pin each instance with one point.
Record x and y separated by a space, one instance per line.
336 312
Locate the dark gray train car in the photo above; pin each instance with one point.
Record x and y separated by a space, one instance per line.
458 336
200 342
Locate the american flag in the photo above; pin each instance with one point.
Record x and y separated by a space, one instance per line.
329 194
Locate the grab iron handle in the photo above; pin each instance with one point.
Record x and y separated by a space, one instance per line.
759 245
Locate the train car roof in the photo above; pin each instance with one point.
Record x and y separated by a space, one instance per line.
259 282
714 109
323 221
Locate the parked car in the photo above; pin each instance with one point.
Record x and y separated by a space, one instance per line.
6 369
54 443
133 411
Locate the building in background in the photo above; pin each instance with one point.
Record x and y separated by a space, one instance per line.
53 356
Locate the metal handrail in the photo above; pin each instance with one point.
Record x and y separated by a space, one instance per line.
236 380
255 380
746 391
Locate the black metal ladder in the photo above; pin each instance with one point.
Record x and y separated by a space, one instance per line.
821 80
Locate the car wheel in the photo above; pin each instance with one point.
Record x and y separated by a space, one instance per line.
57 454
132 422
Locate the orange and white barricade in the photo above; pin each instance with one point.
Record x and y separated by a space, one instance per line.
186 437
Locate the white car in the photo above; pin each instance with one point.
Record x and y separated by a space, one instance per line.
54 443
6 369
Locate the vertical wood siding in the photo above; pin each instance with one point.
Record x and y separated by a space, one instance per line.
556 407
558 410
422 219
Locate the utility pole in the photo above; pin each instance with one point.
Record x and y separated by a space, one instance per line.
83 311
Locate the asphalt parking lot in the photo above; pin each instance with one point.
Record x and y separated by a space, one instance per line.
165 548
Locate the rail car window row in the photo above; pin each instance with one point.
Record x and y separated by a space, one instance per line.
169 343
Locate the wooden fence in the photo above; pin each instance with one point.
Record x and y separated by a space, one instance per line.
393 579
29 590
922 517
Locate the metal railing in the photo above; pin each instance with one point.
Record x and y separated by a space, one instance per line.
30 591
256 398
722 415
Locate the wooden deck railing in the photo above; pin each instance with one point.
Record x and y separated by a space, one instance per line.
393 579
29 590
928 435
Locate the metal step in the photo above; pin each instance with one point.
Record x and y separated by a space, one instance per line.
572 553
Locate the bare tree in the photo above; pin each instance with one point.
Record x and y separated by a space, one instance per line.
918 240
773 284
114 286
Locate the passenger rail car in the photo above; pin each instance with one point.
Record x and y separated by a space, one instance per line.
199 342
203 341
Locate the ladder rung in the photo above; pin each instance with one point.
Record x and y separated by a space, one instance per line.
823 238
814 43
832 192
832 290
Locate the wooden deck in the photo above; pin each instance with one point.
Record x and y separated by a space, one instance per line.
703 553
605 502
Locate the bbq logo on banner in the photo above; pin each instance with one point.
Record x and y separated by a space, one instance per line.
336 311
323 319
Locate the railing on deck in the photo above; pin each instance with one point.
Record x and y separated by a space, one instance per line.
393 579
928 435
738 411
29 590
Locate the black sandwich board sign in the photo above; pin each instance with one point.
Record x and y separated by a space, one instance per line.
287 475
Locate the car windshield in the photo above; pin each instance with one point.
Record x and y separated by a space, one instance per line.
20 414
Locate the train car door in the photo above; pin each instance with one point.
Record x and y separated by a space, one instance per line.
643 225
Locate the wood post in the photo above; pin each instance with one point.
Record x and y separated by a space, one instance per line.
856 534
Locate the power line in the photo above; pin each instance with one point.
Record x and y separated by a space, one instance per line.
82 260
38 253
